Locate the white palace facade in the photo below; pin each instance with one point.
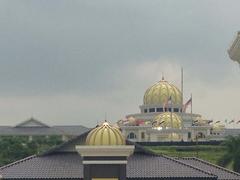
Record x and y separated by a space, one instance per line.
162 118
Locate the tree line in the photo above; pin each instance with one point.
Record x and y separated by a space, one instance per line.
13 148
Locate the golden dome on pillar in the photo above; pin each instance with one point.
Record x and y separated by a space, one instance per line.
160 92
105 135
167 120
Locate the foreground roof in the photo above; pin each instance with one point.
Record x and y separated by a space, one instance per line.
222 173
69 165
60 166
160 167
63 162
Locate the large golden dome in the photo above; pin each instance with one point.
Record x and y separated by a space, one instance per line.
167 120
105 134
160 92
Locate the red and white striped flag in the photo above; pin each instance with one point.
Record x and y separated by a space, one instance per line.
187 104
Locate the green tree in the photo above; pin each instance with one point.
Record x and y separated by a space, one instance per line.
232 155
13 148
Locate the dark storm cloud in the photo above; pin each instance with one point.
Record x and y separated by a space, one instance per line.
81 47
49 46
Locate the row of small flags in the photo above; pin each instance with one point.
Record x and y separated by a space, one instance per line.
189 102
232 121
226 121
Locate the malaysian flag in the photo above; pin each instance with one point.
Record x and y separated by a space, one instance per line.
195 122
210 121
187 104
169 101
231 121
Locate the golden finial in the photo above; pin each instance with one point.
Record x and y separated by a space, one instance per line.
105 119
162 77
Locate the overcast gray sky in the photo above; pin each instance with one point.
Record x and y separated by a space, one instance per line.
69 62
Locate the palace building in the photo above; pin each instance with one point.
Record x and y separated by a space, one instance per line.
163 117
104 154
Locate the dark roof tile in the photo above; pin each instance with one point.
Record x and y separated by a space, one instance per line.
54 130
222 173
69 165
63 165
152 166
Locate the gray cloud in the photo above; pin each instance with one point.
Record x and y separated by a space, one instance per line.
96 50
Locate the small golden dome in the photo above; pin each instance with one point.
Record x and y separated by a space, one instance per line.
160 92
105 134
164 120
200 121
218 127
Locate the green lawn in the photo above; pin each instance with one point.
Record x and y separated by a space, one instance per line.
207 152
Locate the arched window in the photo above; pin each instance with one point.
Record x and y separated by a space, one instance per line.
189 135
200 135
131 135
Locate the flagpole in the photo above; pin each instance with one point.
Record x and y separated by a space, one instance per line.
192 120
192 123
182 84
191 104
171 119
191 109
182 99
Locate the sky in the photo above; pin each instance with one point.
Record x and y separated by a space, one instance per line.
71 62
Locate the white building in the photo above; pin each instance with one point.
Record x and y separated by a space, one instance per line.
161 118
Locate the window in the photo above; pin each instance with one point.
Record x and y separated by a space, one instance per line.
169 109
189 135
152 110
211 131
142 135
145 110
159 109
131 135
175 110
200 135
